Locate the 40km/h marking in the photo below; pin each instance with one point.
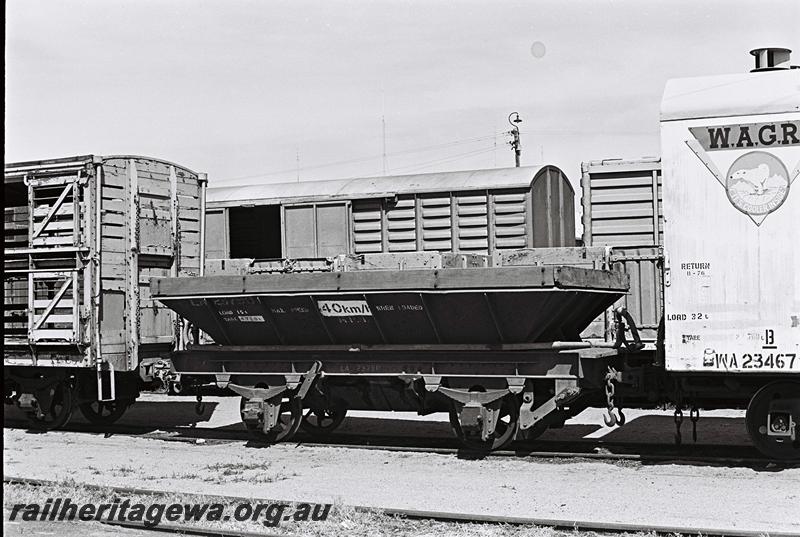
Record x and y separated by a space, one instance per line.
344 308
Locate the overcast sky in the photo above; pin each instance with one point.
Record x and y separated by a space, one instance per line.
239 88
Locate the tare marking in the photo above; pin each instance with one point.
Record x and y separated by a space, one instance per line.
251 318
344 308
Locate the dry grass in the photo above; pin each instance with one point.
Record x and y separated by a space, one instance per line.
250 472
342 520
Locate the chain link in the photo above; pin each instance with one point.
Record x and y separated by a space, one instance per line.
678 421
694 415
610 418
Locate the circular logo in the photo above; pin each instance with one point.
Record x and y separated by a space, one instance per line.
757 183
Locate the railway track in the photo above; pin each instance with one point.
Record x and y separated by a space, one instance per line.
644 453
411 514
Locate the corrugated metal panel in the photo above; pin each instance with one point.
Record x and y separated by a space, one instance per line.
622 203
473 222
436 222
401 221
510 219
368 226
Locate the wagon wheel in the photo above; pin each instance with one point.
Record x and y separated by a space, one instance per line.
104 412
289 421
54 413
504 431
323 421
756 420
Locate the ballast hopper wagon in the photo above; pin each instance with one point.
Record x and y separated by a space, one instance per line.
469 341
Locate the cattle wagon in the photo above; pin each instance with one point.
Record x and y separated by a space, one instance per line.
83 238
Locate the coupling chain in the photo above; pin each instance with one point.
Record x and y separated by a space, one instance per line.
611 418
694 415
678 422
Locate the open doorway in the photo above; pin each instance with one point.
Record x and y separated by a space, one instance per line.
255 232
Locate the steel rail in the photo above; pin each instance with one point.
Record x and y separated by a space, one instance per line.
524 453
441 516
189 530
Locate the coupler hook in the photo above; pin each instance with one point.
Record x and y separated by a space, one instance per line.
621 316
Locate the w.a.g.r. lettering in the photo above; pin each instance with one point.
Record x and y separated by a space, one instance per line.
749 135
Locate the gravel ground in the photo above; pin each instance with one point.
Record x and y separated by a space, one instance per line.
342 520
656 494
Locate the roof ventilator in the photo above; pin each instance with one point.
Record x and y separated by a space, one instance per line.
772 59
